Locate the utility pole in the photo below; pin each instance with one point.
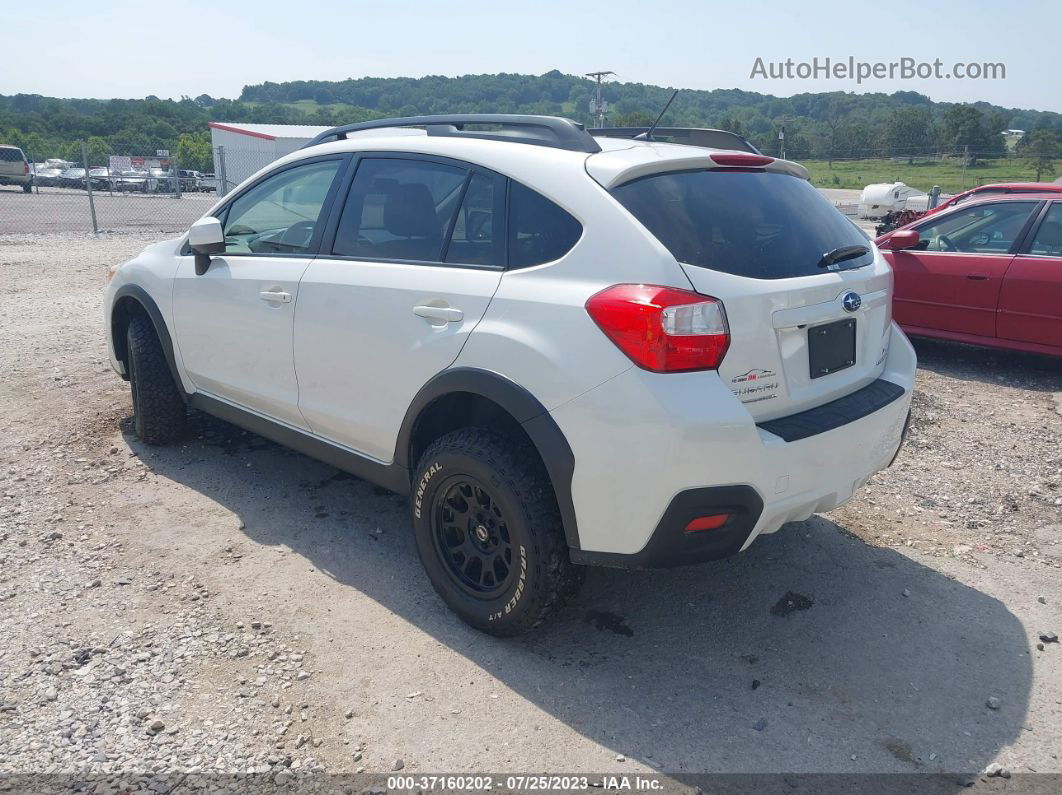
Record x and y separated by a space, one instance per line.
781 135
598 107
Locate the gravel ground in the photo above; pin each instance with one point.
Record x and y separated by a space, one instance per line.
229 606
61 210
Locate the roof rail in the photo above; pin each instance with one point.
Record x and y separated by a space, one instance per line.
552 131
690 136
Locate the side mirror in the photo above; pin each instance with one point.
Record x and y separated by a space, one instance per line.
206 237
907 238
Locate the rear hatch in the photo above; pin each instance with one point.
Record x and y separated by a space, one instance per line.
806 327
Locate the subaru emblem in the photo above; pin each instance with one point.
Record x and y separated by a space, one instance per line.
851 302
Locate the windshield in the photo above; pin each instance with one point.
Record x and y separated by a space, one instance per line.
757 224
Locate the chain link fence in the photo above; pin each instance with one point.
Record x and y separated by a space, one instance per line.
134 192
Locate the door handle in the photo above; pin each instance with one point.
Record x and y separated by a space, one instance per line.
275 296
977 277
446 314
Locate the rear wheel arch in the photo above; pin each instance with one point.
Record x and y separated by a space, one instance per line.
129 301
463 397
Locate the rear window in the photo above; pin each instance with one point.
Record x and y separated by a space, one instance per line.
755 224
11 155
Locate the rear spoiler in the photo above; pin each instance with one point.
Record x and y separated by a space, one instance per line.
690 136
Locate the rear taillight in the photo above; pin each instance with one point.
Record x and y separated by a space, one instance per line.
25 168
663 329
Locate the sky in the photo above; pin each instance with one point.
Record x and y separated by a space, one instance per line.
120 48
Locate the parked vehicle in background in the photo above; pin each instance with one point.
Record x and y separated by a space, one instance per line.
14 168
995 189
72 178
46 176
567 350
161 180
189 180
987 272
208 182
100 177
132 181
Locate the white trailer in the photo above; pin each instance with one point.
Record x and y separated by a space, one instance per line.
884 197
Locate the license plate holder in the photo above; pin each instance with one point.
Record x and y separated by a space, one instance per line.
831 347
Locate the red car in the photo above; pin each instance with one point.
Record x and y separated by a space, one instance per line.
988 272
999 188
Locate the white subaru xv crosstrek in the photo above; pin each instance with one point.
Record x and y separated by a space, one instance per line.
566 349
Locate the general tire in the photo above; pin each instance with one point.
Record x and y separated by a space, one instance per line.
507 477
159 412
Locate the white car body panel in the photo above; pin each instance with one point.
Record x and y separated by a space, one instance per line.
234 327
643 437
362 354
769 321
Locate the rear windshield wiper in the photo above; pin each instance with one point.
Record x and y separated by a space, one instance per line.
841 254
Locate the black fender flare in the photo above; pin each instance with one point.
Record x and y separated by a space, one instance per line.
137 293
541 428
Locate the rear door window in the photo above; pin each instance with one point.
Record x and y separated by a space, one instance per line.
1048 239
400 209
475 238
756 224
539 230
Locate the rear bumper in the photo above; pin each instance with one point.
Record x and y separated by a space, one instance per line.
670 545
644 442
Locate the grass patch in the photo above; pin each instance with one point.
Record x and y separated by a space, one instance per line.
920 174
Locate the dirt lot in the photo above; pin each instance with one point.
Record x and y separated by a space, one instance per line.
226 605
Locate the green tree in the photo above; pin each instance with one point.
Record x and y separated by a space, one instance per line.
194 152
966 129
98 150
906 133
1040 148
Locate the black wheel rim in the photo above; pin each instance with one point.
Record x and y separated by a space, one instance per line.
471 537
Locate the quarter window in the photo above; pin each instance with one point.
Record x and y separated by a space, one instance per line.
399 209
281 214
539 230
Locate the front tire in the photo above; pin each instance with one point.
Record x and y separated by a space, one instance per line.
489 533
159 412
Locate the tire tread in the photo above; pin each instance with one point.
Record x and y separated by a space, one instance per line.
159 411
517 463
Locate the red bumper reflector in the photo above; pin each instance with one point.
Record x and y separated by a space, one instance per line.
702 523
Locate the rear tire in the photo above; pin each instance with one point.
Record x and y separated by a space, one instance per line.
489 533
159 412
27 188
